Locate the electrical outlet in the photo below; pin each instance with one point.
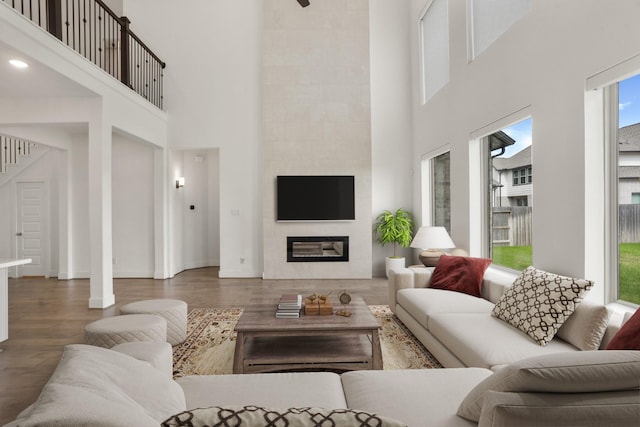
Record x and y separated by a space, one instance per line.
115 260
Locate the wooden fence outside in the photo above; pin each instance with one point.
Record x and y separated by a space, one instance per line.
511 226
629 223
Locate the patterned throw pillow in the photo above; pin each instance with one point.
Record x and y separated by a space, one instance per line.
255 416
539 302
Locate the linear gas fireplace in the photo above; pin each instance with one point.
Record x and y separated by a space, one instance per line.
317 249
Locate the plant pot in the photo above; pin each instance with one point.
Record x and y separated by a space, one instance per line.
393 262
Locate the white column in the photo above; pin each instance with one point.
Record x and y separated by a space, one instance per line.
101 278
161 217
64 217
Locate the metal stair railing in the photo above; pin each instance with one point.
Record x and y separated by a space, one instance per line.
11 149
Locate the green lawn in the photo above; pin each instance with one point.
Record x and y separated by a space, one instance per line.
520 257
630 272
516 257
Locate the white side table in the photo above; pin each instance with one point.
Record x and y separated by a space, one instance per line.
5 264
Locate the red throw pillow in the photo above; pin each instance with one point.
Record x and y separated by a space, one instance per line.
460 274
628 337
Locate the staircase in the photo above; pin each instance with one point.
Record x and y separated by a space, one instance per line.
15 155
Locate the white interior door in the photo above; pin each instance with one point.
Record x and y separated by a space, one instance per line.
30 232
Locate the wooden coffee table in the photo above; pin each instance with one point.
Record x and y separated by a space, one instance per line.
267 344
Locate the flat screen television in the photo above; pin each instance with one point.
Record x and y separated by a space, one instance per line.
315 198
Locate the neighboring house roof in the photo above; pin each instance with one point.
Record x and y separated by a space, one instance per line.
518 160
500 140
629 138
629 172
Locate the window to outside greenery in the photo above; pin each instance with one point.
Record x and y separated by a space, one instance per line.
441 191
434 42
510 198
628 185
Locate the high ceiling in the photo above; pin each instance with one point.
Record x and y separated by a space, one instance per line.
36 81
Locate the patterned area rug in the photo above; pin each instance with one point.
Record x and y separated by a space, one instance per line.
210 343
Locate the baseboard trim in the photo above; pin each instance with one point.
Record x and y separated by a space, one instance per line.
232 274
102 302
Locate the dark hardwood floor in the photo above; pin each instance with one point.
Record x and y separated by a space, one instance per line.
47 314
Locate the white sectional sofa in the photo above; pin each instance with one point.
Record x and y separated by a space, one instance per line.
94 386
459 330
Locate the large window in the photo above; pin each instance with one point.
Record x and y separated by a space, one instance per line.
441 191
626 179
489 19
510 196
434 42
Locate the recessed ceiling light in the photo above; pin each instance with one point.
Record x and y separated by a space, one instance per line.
18 63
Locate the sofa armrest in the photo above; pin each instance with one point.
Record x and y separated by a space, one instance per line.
619 408
401 278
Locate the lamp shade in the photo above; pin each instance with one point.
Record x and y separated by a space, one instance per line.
432 238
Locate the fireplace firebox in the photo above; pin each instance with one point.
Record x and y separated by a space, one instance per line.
317 248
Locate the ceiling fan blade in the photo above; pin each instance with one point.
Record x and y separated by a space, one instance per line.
303 3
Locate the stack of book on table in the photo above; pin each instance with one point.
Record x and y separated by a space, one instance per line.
289 306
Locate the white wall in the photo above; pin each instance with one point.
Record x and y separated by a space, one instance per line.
212 95
200 225
132 208
391 117
195 232
79 194
541 64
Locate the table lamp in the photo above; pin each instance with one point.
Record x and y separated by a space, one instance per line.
432 240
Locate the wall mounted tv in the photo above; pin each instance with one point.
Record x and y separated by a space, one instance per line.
315 198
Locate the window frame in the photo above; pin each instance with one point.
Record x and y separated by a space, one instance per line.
612 177
427 92
427 184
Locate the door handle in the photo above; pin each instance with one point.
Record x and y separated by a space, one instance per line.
19 234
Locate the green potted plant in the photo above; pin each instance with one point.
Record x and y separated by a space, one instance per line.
397 228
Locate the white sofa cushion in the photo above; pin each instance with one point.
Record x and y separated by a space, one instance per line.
158 354
539 302
575 372
418 397
276 390
423 303
485 341
586 327
619 409
94 386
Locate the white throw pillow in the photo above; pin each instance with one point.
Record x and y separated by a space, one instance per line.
567 372
95 386
539 302
586 327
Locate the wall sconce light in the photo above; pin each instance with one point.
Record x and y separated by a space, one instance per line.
180 182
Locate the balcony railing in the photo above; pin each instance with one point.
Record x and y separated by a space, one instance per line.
93 30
